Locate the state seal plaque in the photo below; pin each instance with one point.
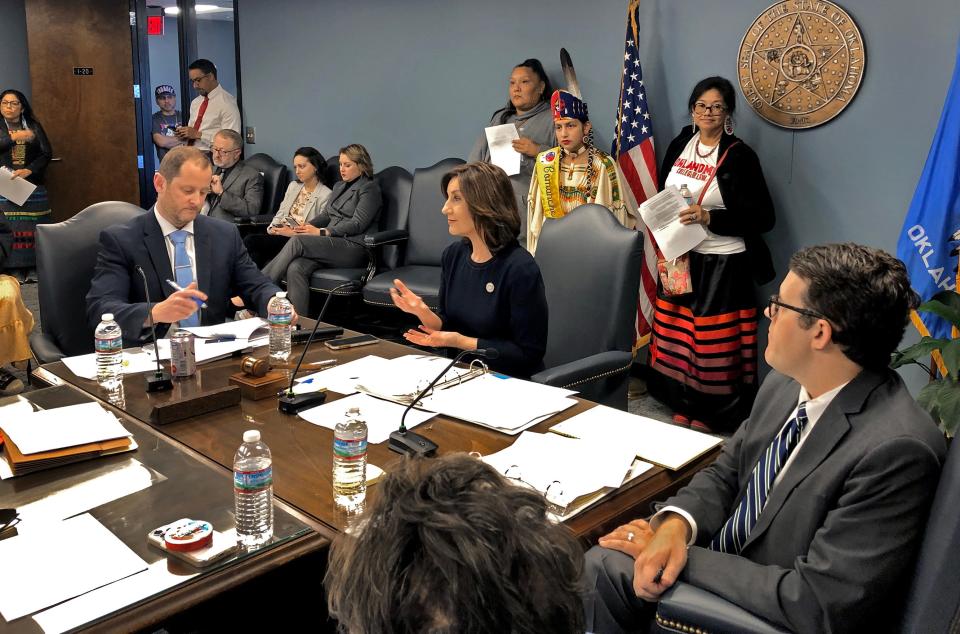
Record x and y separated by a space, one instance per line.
801 62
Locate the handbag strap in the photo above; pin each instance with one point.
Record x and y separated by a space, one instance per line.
703 191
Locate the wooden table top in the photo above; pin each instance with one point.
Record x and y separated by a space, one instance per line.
302 452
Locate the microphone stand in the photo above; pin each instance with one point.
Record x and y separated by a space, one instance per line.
290 403
160 380
407 442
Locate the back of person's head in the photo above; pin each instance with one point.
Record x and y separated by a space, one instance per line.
231 136
205 66
490 197
721 85
174 160
449 545
25 110
359 155
863 292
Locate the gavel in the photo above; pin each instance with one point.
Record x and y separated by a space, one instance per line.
254 366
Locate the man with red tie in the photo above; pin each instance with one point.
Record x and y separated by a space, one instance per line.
212 110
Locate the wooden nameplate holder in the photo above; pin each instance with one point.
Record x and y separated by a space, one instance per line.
196 404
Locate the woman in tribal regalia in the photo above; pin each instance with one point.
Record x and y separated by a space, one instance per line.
575 172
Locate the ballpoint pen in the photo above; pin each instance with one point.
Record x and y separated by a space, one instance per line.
218 338
177 287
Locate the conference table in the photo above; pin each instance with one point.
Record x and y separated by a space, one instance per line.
302 452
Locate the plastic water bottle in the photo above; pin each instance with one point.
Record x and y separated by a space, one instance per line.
350 460
253 491
280 316
108 342
687 196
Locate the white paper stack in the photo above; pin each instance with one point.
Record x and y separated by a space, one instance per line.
661 443
382 417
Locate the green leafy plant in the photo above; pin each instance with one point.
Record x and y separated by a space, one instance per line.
940 397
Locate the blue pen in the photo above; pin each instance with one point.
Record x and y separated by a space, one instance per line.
177 287
219 338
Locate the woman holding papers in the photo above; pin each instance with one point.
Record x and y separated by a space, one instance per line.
304 199
329 238
491 290
575 172
25 151
703 351
528 110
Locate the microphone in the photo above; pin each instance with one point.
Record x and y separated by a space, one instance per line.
411 444
290 403
160 380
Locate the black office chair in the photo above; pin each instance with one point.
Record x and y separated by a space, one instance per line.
420 262
332 176
932 601
381 242
275 180
66 258
591 271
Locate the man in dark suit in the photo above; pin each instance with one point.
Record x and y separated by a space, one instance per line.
236 189
812 515
205 256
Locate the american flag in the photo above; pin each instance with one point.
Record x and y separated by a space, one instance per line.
633 150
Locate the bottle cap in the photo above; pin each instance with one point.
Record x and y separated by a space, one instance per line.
252 435
282 294
106 317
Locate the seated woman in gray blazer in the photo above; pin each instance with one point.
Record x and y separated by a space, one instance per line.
304 199
329 238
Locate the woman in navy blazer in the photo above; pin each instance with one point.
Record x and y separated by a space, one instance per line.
326 240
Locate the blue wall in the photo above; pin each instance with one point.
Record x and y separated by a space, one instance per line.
416 81
15 67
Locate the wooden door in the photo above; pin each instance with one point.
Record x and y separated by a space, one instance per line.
90 119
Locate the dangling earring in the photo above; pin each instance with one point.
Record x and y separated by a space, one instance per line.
728 125
693 122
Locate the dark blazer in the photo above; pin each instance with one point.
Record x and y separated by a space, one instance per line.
748 208
223 270
840 531
242 195
351 207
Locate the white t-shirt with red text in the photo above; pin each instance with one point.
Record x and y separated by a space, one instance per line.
694 170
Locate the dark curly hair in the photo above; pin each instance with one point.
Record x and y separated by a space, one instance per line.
863 292
449 545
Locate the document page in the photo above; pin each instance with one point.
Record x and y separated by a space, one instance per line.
15 189
662 214
500 140
382 417
661 443
67 559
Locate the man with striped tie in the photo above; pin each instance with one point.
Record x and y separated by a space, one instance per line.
812 515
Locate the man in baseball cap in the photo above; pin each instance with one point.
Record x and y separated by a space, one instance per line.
165 121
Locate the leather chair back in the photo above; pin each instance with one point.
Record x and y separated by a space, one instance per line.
66 258
332 176
428 230
395 185
933 603
275 179
591 270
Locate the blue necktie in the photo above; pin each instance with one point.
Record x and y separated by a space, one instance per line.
183 270
737 528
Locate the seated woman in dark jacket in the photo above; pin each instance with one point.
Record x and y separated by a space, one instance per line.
491 292
325 240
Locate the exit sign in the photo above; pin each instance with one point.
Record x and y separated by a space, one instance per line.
154 25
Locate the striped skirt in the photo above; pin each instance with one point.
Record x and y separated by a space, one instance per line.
703 351
23 222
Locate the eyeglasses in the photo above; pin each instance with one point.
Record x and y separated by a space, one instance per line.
774 305
702 108
10 104
196 80
217 150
